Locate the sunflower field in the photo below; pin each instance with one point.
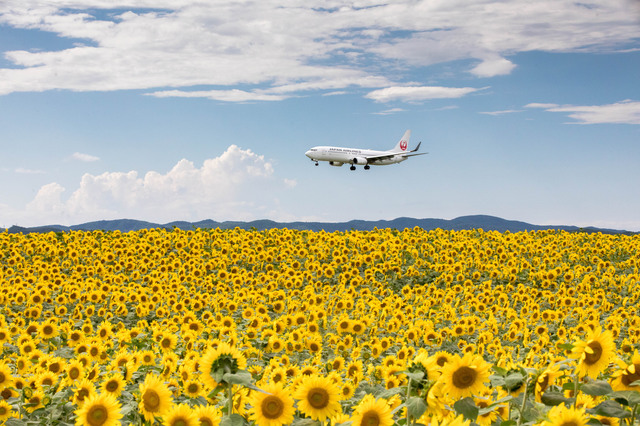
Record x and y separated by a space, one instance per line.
278 327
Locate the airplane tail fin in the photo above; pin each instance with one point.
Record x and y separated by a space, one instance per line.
403 144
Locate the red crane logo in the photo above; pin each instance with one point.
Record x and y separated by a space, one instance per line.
403 145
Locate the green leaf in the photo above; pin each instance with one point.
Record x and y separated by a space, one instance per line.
596 388
242 377
65 352
233 420
496 381
467 408
415 376
630 398
15 422
565 346
610 408
304 422
509 423
514 381
555 398
416 407
388 393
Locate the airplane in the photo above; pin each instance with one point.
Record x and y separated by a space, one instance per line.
337 156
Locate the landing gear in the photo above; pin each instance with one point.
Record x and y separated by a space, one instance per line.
316 163
352 168
367 167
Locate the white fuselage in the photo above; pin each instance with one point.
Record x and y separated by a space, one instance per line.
343 155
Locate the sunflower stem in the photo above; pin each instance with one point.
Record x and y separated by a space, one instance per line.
524 401
575 389
409 421
633 414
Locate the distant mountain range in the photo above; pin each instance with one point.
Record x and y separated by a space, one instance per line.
487 223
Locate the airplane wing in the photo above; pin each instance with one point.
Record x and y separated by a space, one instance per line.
374 158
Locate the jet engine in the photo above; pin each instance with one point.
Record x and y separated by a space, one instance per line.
359 160
335 163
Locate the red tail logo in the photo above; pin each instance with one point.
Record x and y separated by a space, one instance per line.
403 145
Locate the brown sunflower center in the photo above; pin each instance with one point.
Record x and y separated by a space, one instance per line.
628 377
47 330
370 418
543 382
179 422
205 421
272 407
568 423
112 386
151 400
193 388
441 360
595 355
82 394
97 415
464 377
318 398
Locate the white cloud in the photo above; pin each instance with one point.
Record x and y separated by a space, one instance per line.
234 95
624 112
235 185
506 111
418 93
493 67
84 157
23 171
389 111
290 47
540 105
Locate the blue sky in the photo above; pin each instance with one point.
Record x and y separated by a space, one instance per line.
184 110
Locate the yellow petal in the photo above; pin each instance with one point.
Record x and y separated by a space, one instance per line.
588 349
632 369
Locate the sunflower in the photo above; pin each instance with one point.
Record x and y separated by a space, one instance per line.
561 415
34 401
623 378
464 376
546 379
594 354
318 397
113 384
372 412
155 397
84 390
99 410
218 360
180 415
6 410
193 388
6 378
273 408
207 415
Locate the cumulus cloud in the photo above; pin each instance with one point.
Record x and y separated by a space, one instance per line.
236 184
287 48
87 158
493 67
418 93
624 112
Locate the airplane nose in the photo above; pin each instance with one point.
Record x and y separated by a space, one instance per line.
308 153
